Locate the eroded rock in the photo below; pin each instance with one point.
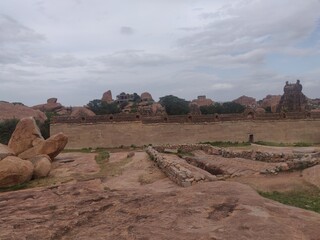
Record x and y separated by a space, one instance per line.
42 166
51 147
312 175
5 151
19 111
14 170
25 135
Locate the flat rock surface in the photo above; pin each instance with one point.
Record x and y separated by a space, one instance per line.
278 150
234 166
69 164
85 210
133 200
312 175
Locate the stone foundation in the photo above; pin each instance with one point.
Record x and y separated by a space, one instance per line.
178 170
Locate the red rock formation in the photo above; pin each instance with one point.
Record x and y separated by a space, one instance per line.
246 101
107 97
81 112
51 106
25 135
146 96
271 101
18 111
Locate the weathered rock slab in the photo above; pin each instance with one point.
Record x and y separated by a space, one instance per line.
14 170
51 147
25 135
312 175
216 210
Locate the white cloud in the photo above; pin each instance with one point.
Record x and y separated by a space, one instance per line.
221 86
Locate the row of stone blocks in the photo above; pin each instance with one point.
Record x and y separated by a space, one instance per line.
178 170
294 160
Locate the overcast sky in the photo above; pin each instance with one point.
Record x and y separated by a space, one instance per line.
77 49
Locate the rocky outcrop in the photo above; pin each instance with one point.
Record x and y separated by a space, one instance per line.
42 166
14 170
146 97
52 100
270 101
213 210
51 106
107 97
78 112
28 144
25 136
19 111
5 151
51 147
246 101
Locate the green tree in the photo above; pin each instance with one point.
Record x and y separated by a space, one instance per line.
100 107
136 98
232 107
211 109
224 108
7 127
175 105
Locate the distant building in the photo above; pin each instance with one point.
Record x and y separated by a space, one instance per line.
124 97
293 100
202 101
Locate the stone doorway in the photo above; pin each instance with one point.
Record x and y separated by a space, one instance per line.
251 138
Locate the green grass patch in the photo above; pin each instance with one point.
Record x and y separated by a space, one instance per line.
14 188
302 144
308 199
82 150
273 144
227 144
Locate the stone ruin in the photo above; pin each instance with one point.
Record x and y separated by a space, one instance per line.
293 100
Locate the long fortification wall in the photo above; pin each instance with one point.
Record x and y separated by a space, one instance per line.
114 134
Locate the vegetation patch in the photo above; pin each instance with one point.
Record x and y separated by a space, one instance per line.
7 127
273 144
306 199
227 144
144 179
13 188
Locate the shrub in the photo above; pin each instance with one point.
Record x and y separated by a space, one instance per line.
175 105
7 127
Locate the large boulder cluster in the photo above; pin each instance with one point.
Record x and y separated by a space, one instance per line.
28 155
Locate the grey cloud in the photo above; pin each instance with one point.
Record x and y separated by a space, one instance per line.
252 24
189 29
136 58
125 30
64 61
13 32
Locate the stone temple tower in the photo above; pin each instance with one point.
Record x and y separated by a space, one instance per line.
293 100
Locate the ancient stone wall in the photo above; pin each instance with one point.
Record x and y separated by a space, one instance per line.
178 170
115 134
